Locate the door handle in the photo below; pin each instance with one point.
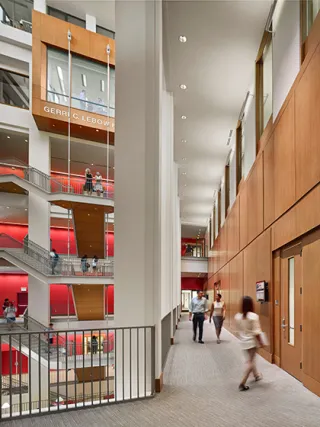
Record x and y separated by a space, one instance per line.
283 324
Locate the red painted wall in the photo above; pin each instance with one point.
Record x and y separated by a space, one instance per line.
15 355
10 285
192 283
59 237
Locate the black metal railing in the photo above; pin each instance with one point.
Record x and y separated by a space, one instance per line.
74 368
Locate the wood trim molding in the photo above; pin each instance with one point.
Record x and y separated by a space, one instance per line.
227 189
219 211
159 383
238 155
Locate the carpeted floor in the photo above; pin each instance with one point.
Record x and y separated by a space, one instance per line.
201 389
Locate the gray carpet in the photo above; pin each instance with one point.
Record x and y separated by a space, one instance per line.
201 388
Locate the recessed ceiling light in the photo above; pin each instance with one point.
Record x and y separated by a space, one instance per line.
184 158
26 209
182 39
184 117
183 87
8 136
26 140
91 164
54 125
183 141
184 173
8 207
185 185
97 130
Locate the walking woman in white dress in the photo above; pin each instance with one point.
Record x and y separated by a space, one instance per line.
218 312
250 335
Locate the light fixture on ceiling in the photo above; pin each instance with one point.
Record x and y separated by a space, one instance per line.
102 85
8 136
184 173
8 207
185 185
184 158
183 87
182 39
184 117
91 164
184 141
53 125
26 209
25 140
230 137
97 130
84 80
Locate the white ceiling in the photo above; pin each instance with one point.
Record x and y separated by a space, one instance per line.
217 65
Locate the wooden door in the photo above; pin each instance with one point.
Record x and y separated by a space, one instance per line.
22 302
291 311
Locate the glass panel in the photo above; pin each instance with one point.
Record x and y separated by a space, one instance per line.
14 89
267 85
57 77
17 14
105 32
90 86
76 21
57 14
291 302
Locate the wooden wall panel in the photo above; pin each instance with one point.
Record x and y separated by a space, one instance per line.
92 373
268 183
284 230
257 267
243 216
236 288
284 161
308 211
233 235
90 232
223 246
307 127
311 304
276 307
225 290
255 200
89 301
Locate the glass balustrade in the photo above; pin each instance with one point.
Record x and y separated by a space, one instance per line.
17 14
14 89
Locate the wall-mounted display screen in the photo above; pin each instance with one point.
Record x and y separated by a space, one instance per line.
262 291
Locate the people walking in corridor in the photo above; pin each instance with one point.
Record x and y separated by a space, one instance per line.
250 335
218 312
198 313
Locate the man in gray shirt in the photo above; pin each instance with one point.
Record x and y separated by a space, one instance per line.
198 308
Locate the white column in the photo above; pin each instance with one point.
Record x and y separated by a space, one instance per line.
137 210
40 6
91 23
39 224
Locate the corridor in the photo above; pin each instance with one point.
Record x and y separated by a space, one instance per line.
201 388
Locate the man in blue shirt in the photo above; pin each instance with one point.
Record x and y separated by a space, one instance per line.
198 308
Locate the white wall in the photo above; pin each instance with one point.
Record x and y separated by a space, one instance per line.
223 202
233 176
249 136
286 50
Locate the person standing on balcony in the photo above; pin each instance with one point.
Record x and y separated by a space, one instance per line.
49 336
88 184
84 264
83 98
94 345
10 314
98 187
198 313
218 312
94 263
54 260
5 305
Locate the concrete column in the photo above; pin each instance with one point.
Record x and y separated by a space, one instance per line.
40 6
91 23
137 195
39 224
